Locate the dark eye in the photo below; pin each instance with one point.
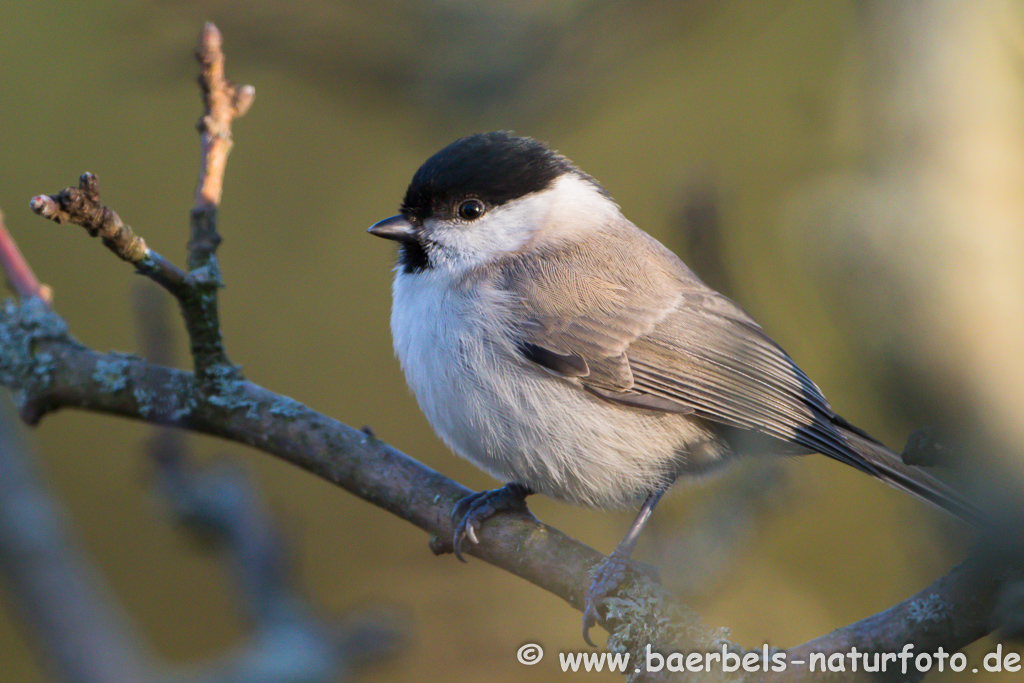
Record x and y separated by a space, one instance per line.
471 209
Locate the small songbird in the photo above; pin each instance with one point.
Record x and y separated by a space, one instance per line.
566 352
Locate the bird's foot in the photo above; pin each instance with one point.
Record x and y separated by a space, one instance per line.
474 509
605 580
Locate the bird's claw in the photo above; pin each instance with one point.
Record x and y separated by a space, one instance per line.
606 579
471 511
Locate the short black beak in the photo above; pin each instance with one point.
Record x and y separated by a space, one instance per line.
395 228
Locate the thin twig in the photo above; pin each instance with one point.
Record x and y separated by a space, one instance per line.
223 102
196 290
81 206
19 274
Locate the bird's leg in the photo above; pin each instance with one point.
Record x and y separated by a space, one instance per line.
612 571
472 510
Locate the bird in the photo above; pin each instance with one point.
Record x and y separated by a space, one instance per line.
566 352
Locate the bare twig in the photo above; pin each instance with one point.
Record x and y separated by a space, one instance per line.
224 103
196 290
81 206
19 274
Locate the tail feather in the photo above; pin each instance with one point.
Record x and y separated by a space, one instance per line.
890 468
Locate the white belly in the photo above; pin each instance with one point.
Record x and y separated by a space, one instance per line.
515 420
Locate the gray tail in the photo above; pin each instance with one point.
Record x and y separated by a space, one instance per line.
890 468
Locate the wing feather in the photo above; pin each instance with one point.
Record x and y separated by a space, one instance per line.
662 340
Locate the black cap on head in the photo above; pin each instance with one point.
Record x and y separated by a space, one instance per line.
493 167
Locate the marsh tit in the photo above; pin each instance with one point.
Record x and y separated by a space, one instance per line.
566 352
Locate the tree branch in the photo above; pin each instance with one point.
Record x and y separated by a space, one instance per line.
196 291
81 206
223 103
952 612
62 373
218 502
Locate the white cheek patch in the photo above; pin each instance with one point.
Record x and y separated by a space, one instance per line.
578 207
571 205
502 230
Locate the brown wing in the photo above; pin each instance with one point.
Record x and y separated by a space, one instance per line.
711 356
660 339
578 314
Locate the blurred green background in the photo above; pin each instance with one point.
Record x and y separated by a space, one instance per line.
850 171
